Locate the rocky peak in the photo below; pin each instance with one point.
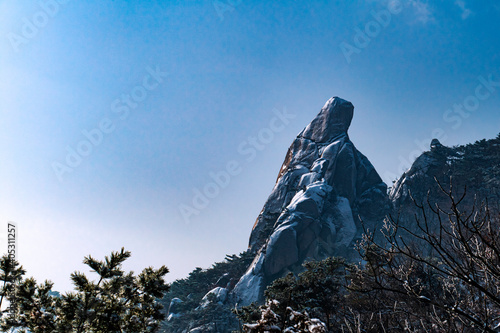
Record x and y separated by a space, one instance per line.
436 144
460 164
323 188
332 121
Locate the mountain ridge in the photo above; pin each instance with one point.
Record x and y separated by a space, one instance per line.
315 211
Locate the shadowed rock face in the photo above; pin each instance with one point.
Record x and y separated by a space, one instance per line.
472 168
324 185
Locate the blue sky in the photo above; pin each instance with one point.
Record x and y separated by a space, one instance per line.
171 92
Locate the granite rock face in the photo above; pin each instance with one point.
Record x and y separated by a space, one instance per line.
324 189
174 309
216 295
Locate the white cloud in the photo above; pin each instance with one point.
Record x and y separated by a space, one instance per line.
418 10
466 12
422 11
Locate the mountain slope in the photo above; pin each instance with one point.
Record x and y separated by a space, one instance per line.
324 189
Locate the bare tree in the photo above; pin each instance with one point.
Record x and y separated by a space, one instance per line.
440 273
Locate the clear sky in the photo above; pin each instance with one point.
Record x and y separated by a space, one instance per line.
114 114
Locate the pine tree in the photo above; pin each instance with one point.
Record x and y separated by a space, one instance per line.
319 290
116 302
10 273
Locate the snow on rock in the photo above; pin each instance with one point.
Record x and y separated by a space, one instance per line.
436 144
347 231
250 285
224 280
203 329
324 184
216 295
422 167
174 308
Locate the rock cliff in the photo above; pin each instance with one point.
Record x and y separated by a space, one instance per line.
325 188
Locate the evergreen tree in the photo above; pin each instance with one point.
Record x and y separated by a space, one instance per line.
116 302
191 290
10 273
318 290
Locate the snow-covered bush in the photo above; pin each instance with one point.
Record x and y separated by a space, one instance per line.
294 321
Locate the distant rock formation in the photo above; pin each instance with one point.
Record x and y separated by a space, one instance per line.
475 166
436 144
324 189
